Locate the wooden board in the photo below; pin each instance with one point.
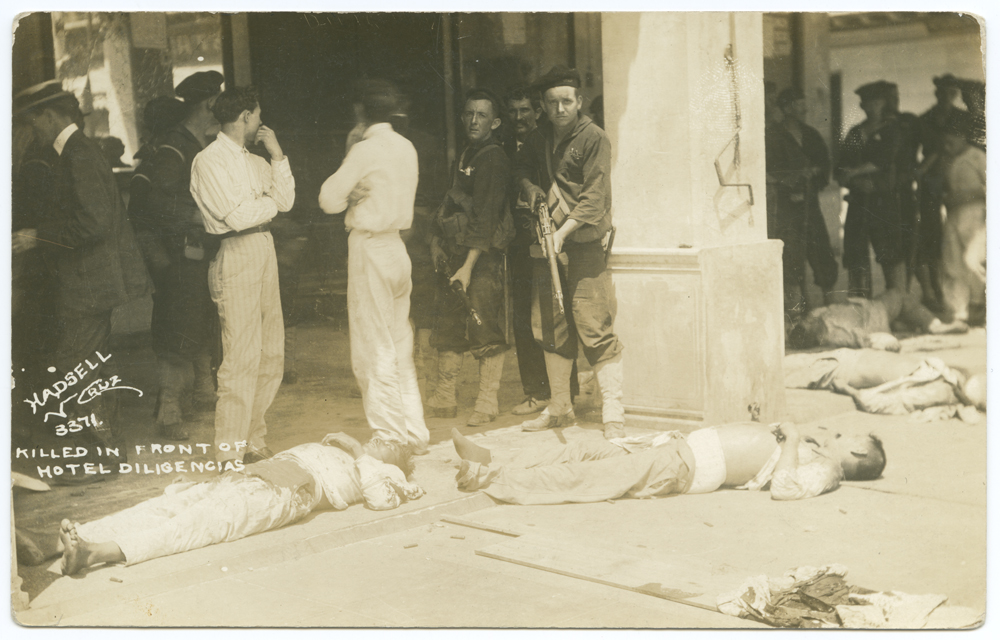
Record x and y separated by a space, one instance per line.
684 579
479 525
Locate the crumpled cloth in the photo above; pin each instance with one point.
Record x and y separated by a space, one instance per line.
819 597
645 441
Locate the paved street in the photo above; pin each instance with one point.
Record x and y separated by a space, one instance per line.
920 529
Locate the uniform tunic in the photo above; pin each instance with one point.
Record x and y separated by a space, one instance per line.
799 220
184 320
581 168
468 219
874 213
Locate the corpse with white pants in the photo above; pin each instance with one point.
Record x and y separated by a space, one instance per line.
243 280
190 516
378 309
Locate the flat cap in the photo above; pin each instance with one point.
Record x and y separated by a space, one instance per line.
875 90
38 95
200 86
558 76
946 81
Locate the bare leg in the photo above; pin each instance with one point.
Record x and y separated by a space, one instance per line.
79 554
468 450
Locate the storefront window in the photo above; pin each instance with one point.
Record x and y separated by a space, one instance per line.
117 62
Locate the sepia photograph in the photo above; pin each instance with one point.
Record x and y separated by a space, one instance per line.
498 320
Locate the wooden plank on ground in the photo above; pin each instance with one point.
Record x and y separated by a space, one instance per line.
684 580
462 522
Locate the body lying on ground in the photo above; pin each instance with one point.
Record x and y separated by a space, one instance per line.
266 495
744 455
884 382
861 323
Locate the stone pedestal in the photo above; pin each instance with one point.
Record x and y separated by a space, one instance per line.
698 282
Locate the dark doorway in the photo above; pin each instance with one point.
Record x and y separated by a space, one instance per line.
306 66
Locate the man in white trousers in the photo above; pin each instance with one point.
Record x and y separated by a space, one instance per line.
377 185
238 194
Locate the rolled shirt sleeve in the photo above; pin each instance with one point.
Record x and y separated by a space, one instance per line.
334 194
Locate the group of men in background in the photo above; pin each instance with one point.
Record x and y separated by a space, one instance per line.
201 206
899 170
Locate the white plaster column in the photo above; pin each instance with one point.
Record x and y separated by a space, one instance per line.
698 282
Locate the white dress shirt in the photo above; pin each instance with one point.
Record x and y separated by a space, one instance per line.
63 137
377 184
236 189
345 481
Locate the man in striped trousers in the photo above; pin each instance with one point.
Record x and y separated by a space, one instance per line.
238 194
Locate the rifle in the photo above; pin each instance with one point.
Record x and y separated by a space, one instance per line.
456 286
549 249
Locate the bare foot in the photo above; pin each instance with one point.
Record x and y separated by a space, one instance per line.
75 555
467 450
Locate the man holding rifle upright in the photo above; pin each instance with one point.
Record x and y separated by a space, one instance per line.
572 160
471 230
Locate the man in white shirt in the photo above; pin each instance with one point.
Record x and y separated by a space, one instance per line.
238 194
742 455
377 185
265 496
964 239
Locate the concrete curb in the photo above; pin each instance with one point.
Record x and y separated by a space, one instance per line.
55 614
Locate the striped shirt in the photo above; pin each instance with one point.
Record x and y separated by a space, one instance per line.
236 189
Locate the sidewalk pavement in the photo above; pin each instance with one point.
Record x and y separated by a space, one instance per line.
920 529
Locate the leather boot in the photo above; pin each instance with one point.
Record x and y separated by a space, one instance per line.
291 375
443 403
169 417
204 385
490 372
609 377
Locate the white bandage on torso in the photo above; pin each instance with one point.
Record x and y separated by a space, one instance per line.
709 461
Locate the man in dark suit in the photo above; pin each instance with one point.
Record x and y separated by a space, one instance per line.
90 248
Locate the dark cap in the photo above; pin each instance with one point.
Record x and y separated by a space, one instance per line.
875 90
39 95
163 112
947 81
200 86
789 95
558 76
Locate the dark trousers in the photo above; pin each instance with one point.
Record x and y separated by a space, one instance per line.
590 303
931 229
530 356
800 226
185 322
454 329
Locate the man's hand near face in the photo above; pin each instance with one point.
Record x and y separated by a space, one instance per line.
266 136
